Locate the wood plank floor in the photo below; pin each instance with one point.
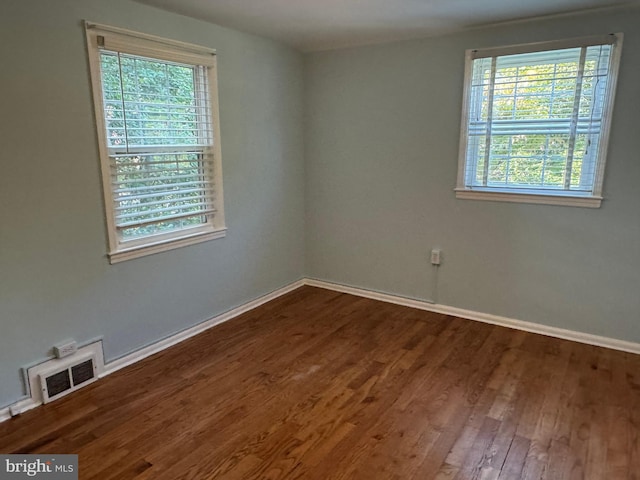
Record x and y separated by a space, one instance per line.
327 386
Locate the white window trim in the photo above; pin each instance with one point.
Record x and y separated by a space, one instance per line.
540 196
163 49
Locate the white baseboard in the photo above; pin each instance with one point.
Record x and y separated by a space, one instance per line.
5 414
18 407
115 365
156 347
547 330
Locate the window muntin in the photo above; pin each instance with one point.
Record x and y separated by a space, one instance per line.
534 121
156 106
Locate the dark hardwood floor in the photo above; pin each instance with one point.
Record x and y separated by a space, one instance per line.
320 385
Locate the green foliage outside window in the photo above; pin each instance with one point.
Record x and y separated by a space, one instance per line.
154 106
532 106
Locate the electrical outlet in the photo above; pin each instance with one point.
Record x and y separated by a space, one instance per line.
435 256
65 349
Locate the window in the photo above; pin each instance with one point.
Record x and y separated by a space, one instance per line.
535 121
158 129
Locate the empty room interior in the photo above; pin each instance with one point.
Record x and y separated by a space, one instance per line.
367 239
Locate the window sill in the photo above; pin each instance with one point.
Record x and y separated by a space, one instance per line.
536 198
164 245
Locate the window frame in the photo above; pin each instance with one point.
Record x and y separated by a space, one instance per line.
170 51
591 199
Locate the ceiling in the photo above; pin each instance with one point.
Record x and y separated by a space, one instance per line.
311 25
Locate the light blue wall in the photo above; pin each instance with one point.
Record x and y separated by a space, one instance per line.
372 191
55 280
381 152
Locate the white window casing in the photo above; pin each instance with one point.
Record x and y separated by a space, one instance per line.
536 119
156 108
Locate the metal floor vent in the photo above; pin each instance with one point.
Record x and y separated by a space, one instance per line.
67 377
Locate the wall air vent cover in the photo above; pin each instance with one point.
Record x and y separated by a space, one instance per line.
56 377
68 375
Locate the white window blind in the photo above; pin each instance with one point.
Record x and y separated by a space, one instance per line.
159 139
159 135
534 121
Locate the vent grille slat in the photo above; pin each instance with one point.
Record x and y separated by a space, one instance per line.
58 383
82 372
